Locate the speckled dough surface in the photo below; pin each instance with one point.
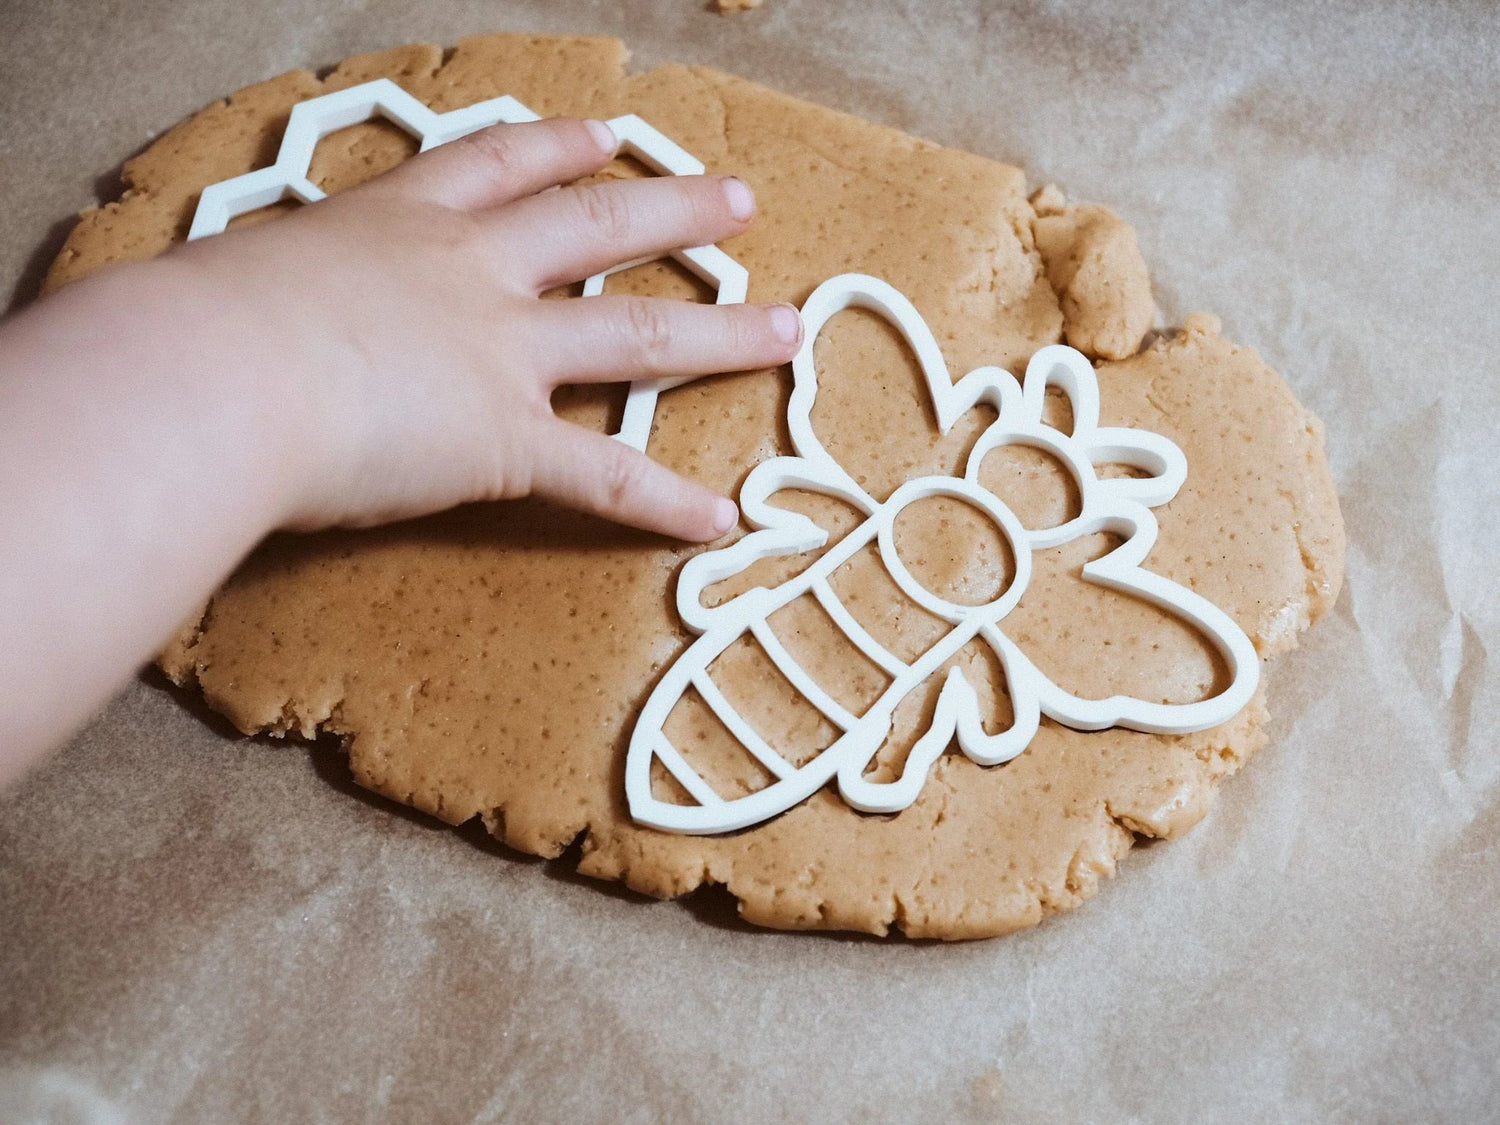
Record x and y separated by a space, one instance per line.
489 662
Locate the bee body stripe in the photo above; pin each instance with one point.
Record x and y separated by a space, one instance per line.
744 733
857 633
686 776
787 665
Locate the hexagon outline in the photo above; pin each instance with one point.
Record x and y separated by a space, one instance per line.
315 119
729 279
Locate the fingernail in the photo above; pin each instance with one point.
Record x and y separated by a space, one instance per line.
603 136
740 198
726 515
786 322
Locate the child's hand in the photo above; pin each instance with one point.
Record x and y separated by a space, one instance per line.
380 354
405 316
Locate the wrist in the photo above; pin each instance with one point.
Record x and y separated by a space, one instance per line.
218 364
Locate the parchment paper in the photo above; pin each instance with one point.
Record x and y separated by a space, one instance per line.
200 928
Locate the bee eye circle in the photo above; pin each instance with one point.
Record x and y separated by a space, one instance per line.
954 548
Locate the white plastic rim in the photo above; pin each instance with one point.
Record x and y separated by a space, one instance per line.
316 118
1120 506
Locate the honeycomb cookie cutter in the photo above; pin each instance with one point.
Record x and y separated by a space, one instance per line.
1117 505
316 118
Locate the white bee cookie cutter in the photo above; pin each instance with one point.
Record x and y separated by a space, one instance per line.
316 118
1120 506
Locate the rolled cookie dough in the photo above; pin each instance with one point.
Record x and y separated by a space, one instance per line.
489 662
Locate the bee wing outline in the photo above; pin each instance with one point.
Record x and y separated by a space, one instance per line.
950 400
1121 570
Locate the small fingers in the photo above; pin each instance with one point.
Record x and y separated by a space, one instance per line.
597 474
503 163
566 235
625 338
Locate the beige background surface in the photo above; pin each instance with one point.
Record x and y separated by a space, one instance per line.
199 928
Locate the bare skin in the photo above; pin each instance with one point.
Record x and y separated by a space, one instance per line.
380 355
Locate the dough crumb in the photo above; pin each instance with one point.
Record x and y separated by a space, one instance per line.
727 6
1049 200
1202 324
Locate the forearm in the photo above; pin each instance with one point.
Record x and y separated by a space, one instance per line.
137 466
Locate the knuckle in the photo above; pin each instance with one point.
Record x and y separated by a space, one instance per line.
651 329
622 478
495 146
604 208
455 231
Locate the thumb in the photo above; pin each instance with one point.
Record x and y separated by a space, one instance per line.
605 477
